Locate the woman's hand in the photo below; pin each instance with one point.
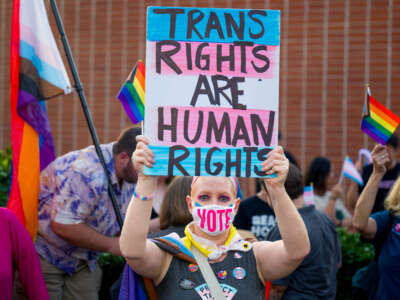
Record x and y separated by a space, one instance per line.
277 163
380 159
142 156
337 192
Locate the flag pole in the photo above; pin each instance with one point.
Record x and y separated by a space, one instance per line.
79 89
341 172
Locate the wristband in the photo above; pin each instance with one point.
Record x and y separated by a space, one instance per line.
143 198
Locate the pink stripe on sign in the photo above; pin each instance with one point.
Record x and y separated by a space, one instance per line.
193 58
215 127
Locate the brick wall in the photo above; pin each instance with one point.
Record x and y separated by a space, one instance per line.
329 49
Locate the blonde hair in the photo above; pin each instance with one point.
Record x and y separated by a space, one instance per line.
392 201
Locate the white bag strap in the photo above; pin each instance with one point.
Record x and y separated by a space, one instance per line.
208 274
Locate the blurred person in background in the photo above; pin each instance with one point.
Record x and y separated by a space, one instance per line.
256 215
315 277
382 227
17 253
159 194
327 195
174 213
391 174
76 217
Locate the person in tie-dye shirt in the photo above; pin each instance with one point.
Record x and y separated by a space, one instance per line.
76 216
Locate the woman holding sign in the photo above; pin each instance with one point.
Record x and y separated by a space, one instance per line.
239 267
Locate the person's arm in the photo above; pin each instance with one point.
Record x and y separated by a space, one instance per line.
83 236
144 257
352 190
365 203
330 208
154 225
351 196
278 259
276 292
26 261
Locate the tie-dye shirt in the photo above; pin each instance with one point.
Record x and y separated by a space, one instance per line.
73 190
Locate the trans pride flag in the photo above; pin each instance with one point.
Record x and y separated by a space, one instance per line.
37 73
309 194
350 171
131 94
378 122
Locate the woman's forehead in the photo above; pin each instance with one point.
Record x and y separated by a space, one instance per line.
215 183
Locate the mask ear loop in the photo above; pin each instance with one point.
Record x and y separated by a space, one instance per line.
266 190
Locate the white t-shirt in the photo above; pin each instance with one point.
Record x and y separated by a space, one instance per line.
320 203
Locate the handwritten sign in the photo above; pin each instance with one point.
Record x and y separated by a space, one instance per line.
212 84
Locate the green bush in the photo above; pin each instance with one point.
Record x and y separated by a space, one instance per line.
355 255
112 267
5 170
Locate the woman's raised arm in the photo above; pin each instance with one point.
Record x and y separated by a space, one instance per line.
144 257
365 203
278 259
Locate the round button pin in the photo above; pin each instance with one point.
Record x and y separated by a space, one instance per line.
193 267
186 284
239 273
222 274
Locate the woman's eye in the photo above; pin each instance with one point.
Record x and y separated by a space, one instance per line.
203 197
224 198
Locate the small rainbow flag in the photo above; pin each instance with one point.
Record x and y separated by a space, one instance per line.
378 122
131 94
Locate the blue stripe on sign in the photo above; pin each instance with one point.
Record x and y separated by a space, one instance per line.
218 158
159 24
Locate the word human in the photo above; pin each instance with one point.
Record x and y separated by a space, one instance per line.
215 127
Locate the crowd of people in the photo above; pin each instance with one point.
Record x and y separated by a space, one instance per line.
195 237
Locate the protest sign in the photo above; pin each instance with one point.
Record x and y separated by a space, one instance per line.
212 84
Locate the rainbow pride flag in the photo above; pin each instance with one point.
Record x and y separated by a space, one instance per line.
131 94
37 73
378 122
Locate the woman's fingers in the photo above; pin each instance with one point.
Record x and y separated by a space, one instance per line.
142 139
142 155
277 166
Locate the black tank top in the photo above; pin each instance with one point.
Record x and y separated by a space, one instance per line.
237 275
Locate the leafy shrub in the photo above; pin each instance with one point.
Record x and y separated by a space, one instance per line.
5 170
112 267
355 255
